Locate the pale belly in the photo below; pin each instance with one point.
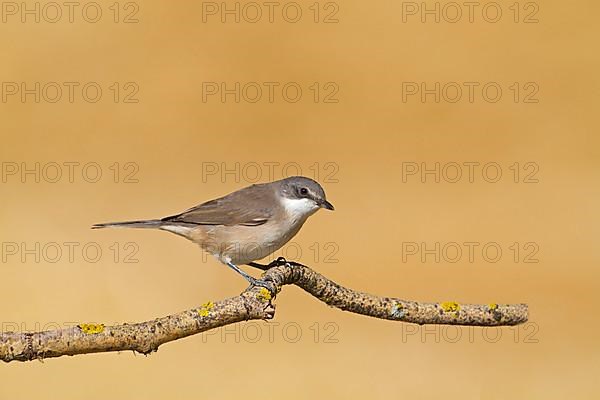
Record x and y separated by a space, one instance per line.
245 244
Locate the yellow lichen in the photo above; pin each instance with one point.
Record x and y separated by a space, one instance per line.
493 306
450 306
398 310
204 310
90 329
264 294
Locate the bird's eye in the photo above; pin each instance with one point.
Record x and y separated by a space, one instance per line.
303 191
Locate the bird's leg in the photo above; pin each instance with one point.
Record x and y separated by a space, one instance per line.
253 281
247 277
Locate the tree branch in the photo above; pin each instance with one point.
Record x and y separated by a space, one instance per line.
253 303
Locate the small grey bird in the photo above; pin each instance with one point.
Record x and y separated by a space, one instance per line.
246 225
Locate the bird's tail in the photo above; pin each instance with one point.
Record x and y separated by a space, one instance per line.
150 223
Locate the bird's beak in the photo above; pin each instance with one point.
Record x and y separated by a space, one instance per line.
325 204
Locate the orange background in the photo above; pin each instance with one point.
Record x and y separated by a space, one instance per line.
170 134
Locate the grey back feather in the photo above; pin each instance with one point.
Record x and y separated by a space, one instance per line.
243 207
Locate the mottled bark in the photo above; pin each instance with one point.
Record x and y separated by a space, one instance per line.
253 303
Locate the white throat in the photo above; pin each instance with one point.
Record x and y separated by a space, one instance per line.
299 208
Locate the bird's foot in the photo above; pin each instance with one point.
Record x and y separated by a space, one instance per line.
278 262
263 283
275 263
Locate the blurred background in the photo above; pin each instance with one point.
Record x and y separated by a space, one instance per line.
459 146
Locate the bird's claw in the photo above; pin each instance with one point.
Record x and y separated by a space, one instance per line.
278 262
269 285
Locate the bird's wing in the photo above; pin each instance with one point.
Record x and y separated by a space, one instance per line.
244 207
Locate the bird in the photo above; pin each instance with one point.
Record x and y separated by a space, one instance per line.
246 225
